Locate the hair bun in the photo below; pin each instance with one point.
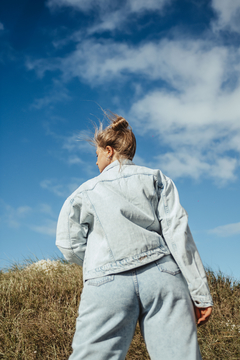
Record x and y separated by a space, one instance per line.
119 124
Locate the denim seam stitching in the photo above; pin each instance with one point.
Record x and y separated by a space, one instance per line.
169 271
111 180
110 250
135 283
107 279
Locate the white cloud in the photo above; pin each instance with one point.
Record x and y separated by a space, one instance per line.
41 66
228 15
77 142
25 216
81 5
73 160
61 189
57 94
117 19
48 228
14 217
111 15
195 113
47 210
8 215
53 187
23 211
1 26
180 163
109 5
226 230
143 5
71 147
180 63
224 169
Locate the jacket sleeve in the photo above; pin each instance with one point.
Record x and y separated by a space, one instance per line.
72 232
176 232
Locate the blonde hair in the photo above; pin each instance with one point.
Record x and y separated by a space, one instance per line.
118 135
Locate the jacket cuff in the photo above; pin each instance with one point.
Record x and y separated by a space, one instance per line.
203 303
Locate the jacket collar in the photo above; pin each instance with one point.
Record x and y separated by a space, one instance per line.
117 163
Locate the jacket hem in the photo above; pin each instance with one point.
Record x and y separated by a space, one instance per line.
126 264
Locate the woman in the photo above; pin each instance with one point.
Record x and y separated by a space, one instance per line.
127 229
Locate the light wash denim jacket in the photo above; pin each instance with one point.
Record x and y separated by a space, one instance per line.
126 217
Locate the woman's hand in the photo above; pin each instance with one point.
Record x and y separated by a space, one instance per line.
202 314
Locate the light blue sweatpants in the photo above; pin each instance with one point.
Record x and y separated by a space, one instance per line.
155 294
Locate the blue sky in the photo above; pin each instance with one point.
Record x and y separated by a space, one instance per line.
170 67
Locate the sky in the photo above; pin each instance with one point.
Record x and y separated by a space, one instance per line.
171 68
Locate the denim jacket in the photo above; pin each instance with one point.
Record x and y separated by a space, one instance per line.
126 217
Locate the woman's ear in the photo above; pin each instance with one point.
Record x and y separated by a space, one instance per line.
110 151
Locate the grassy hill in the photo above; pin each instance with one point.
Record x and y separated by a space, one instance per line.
38 310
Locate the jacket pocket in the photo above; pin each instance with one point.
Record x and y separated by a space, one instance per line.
168 265
100 281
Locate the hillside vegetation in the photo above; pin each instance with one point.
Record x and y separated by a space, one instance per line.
39 304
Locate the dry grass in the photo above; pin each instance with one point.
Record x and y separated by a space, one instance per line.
38 309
